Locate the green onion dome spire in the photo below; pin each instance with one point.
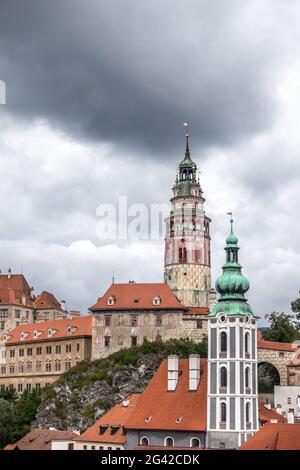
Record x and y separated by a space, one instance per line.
232 285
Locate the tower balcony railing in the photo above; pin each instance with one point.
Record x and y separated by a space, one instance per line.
182 233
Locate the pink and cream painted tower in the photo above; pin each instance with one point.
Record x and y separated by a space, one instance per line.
187 243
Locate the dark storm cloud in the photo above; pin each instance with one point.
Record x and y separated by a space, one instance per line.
130 71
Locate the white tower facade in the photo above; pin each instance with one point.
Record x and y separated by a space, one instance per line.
232 359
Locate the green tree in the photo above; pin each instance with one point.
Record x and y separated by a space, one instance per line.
295 304
282 328
25 412
6 422
9 394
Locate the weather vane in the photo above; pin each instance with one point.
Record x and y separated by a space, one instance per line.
231 218
186 126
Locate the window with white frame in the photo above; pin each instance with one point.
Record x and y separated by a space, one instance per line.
144 441
223 377
247 342
156 300
248 412
223 341
169 441
223 412
195 442
111 300
247 377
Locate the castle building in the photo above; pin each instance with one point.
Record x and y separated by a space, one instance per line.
19 304
127 313
187 243
232 358
35 355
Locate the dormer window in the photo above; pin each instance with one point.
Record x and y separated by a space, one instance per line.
23 335
156 300
148 419
50 331
103 428
111 300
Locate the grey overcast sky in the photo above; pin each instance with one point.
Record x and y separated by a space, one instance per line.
96 93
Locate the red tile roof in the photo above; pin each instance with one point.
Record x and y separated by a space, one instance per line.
197 311
162 448
39 439
276 345
47 301
116 416
280 436
81 326
138 297
165 407
267 415
10 296
15 282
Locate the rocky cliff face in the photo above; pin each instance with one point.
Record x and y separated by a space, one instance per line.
88 390
76 402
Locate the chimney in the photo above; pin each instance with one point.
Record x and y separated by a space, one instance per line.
32 294
267 405
23 299
172 372
194 371
9 273
279 409
290 416
63 304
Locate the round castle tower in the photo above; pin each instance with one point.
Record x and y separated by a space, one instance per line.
187 243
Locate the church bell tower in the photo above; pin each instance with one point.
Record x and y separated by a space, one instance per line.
187 243
232 402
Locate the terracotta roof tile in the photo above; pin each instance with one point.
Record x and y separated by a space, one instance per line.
81 326
47 301
15 282
280 436
138 297
39 439
197 311
165 407
261 344
162 448
267 415
116 416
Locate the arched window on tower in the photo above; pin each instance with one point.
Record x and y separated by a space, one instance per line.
247 377
247 412
184 255
247 344
223 377
223 412
223 338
